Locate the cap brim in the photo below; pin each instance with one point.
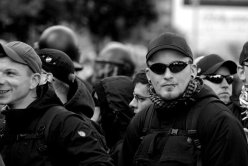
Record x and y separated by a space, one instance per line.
12 54
229 64
77 66
163 47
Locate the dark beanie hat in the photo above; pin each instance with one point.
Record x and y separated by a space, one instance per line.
211 63
169 41
244 54
58 63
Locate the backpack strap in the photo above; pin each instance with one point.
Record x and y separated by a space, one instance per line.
44 125
148 119
192 121
193 116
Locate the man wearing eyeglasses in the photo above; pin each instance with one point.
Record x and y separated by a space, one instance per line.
141 98
186 124
217 73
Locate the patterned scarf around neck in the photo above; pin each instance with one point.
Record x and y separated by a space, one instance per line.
193 87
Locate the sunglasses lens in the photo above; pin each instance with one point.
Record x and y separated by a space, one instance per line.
219 78
176 67
229 79
158 68
215 79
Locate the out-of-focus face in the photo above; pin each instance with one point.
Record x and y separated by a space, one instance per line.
170 85
222 89
16 83
243 73
141 98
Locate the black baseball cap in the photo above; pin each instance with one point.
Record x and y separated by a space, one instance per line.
169 41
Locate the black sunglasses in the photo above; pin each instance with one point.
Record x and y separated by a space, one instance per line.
219 78
175 67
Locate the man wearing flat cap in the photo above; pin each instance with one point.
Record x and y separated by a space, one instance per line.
37 129
187 123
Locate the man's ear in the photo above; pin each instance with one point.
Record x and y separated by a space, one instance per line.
35 80
193 69
148 73
241 73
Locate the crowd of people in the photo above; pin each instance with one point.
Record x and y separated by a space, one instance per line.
176 111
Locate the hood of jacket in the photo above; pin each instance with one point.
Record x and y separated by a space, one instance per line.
80 100
114 95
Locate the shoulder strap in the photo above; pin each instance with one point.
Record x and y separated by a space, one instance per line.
191 123
193 116
48 117
44 125
148 119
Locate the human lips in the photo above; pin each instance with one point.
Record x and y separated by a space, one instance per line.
224 93
168 85
4 91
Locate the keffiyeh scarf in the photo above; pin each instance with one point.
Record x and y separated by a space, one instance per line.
243 100
193 87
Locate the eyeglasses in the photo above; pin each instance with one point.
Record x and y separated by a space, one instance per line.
219 78
175 67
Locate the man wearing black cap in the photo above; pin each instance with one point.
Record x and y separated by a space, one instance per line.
187 124
69 88
217 73
37 129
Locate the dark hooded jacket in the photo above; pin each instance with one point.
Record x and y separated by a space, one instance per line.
79 99
114 95
220 134
71 139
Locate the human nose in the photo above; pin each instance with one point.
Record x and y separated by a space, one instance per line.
133 103
224 83
167 73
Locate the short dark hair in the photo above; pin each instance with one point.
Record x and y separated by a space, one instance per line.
140 77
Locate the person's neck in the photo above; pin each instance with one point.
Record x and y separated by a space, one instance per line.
62 93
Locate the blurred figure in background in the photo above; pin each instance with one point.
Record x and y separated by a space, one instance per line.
114 59
112 96
141 97
64 39
59 69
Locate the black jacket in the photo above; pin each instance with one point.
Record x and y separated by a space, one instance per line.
220 134
71 139
79 99
114 95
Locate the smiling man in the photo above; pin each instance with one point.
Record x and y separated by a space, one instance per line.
187 124
38 130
